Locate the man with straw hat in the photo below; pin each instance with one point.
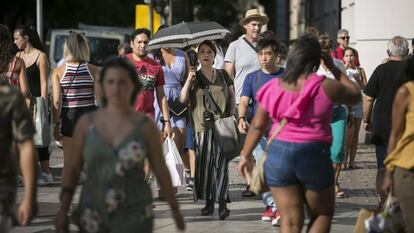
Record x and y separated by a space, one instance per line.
241 58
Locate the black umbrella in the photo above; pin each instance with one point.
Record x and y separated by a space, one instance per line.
184 34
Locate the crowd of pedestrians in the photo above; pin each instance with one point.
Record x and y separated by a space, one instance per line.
303 105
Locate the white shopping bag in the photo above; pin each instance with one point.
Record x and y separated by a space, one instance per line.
174 163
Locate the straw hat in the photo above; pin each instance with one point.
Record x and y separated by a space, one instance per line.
254 14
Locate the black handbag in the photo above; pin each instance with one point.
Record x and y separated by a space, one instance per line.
177 108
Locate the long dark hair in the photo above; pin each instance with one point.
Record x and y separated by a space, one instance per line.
6 48
157 52
123 63
33 36
303 58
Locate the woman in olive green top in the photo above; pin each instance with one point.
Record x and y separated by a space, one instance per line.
211 178
112 145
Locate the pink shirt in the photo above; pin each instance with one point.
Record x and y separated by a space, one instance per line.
308 118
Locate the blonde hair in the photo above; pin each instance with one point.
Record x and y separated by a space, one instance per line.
76 48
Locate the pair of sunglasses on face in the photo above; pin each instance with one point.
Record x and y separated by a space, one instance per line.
344 37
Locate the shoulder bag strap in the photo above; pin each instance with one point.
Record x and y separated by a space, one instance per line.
207 95
279 127
71 81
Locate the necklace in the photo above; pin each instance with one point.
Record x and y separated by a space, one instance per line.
211 78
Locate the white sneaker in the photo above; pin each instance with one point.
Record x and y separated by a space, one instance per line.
45 179
276 219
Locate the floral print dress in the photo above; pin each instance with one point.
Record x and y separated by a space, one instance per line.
115 197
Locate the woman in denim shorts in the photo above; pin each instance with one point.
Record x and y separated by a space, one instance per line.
298 169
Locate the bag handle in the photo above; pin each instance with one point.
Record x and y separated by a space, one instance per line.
206 93
279 127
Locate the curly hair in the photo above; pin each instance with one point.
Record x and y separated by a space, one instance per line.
6 48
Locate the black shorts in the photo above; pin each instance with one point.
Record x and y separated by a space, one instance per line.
69 117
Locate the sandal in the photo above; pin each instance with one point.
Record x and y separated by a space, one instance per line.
339 193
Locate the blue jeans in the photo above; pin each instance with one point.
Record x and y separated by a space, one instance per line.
257 153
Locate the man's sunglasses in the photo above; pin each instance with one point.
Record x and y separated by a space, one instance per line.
344 37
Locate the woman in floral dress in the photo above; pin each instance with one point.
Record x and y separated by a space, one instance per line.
111 148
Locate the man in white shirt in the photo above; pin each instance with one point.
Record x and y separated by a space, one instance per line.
241 58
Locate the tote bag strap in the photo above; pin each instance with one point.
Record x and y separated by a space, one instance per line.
279 127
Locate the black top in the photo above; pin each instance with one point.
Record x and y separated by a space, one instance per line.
382 86
33 78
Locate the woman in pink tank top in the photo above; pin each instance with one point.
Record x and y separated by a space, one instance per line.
298 163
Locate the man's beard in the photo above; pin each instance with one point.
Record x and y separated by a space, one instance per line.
143 55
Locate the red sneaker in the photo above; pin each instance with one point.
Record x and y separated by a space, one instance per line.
267 214
276 219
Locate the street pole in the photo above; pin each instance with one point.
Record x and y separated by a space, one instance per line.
39 18
151 17
170 13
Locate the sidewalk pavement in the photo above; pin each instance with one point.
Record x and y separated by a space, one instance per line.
245 212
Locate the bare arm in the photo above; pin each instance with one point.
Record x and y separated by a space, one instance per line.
367 107
43 68
157 162
229 67
95 71
363 76
57 95
73 166
243 103
28 169
162 102
232 99
399 110
256 131
187 68
344 92
185 91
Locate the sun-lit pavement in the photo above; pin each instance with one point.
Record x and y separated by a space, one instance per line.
245 212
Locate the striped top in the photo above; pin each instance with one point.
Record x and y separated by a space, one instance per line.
77 85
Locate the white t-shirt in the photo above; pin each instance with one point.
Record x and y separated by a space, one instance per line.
245 62
219 59
338 63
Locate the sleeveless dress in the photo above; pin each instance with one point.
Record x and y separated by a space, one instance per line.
115 197
173 76
33 80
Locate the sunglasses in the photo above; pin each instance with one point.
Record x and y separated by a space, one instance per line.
344 37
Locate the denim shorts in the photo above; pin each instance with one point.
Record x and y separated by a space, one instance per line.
380 153
189 138
70 116
307 164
